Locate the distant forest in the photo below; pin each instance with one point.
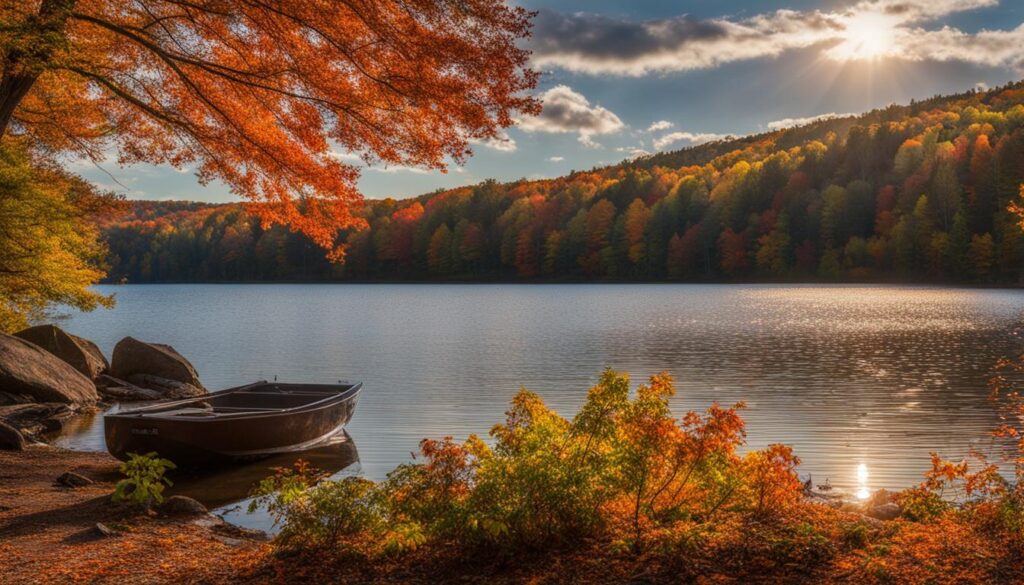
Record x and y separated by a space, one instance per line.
915 193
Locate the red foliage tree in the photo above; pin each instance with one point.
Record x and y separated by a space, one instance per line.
256 94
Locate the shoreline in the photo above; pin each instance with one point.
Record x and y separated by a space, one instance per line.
49 533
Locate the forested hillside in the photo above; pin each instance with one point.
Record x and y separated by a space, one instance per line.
908 193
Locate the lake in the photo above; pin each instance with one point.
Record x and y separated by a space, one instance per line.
863 381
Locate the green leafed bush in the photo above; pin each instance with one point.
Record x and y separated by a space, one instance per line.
623 467
144 482
312 513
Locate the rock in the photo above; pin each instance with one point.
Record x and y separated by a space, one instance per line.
26 368
889 511
73 480
132 357
35 419
11 438
218 525
79 353
7 398
171 389
120 390
182 506
879 498
105 530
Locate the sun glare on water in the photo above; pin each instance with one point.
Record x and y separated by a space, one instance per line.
863 492
866 36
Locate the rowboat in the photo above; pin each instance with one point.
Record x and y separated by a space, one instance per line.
244 423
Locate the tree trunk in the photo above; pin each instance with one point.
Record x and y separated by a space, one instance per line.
21 68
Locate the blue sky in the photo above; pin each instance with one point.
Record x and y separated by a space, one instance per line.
625 77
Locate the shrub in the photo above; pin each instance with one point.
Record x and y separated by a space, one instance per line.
144 480
624 467
772 482
313 513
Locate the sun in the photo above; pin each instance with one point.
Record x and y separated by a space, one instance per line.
865 36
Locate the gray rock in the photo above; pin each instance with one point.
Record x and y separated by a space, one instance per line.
132 357
73 480
105 530
27 369
79 353
182 506
35 420
123 391
888 511
170 389
879 498
11 438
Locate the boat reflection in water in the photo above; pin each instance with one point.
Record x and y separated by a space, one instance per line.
225 491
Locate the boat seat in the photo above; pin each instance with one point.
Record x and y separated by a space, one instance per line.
187 412
244 409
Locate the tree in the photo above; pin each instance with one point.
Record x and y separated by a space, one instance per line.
49 253
733 251
772 257
439 255
258 94
637 216
982 255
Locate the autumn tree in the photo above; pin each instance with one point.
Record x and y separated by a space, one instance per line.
439 254
49 253
637 216
263 95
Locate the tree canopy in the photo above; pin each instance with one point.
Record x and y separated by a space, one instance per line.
911 193
49 253
264 96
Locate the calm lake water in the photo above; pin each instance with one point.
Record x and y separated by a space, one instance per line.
864 381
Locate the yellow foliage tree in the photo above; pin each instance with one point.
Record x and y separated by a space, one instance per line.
49 253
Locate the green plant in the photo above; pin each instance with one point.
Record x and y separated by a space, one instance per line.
920 505
317 513
144 480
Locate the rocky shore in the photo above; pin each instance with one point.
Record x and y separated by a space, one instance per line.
48 375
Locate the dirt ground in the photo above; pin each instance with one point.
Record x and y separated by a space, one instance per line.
48 533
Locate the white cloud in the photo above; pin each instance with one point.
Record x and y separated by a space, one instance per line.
344 156
690 138
660 125
399 169
503 143
792 122
556 158
993 48
566 111
600 45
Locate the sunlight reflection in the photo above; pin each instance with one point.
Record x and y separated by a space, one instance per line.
863 492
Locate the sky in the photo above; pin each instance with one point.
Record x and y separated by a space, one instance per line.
625 78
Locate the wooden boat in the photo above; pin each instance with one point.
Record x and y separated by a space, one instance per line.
243 423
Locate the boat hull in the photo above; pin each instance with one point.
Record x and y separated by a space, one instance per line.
215 440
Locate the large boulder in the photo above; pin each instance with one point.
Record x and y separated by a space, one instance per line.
889 511
123 391
29 370
11 438
133 357
35 420
183 506
81 354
